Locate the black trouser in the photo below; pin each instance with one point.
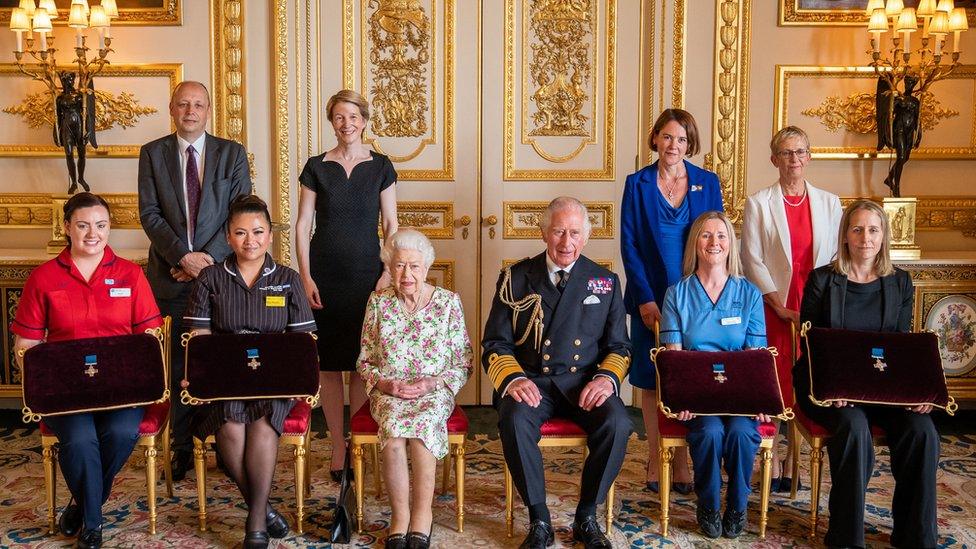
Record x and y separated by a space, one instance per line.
914 445
180 414
607 427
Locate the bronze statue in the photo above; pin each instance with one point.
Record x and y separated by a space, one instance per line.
899 125
74 126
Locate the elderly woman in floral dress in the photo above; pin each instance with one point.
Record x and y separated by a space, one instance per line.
415 357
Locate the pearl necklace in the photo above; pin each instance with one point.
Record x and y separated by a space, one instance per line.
799 202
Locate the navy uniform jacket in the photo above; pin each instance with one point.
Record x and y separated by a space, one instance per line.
581 332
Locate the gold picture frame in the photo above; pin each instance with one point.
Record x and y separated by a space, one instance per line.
131 12
787 74
173 72
841 13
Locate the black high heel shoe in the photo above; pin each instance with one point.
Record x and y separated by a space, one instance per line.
256 540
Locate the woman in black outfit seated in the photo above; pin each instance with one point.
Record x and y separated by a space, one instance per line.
862 290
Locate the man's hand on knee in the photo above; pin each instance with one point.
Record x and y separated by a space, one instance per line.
595 393
523 390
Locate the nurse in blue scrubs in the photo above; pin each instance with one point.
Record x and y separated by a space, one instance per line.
714 308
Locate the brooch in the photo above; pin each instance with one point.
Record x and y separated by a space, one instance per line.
719 371
877 353
600 285
253 362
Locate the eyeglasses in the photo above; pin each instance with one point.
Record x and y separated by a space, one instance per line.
799 153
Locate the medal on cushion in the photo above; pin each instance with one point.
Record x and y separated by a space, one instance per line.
91 361
253 362
719 371
877 353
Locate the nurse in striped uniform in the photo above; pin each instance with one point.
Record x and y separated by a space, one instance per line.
247 293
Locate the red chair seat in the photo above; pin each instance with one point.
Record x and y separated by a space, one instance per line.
362 422
673 428
297 421
561 427
152 421
817 430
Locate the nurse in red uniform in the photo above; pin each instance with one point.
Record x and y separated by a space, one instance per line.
87 291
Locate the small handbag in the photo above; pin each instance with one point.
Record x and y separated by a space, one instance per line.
94 374
882 368
719 383
250 366
344 522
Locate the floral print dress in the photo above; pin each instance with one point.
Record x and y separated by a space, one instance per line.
407 346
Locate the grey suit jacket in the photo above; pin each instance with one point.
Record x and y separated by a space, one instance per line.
162 208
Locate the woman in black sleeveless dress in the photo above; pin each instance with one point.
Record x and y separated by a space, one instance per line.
346 190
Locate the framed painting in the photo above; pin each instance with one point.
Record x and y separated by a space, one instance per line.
842 13
131 12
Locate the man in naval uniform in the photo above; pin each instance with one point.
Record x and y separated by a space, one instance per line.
556 344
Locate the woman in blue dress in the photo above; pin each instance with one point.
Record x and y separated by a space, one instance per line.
714 308
659 203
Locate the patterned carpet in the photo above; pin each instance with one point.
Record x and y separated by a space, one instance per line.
23 508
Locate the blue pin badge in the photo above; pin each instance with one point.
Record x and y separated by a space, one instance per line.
877 353
91 361
253 362
719 371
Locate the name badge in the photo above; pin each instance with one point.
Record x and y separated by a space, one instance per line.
274 301
120 292
731 320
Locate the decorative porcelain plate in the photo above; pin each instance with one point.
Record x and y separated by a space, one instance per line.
954 319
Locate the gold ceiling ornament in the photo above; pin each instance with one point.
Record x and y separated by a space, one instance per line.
400 32
856 113
111 110
561 68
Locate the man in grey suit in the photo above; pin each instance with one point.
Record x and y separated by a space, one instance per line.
186 183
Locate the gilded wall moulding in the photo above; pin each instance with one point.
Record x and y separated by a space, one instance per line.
941 213
441 274
559 74
857 112
864 82
131 12
402 70
605 263
678 40
34 210
122 110
281 140
522 219
434 219
228 62
731 96
843 13
173 72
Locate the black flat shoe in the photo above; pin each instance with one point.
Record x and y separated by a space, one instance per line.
70 521
396 541
776 484
652 486
683 488
786 485
588 532
540 536
182 462
710 522
733 523
276 524
90 539
416 540
256 540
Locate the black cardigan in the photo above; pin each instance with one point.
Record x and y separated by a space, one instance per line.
826 290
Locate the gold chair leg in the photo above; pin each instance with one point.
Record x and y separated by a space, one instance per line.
300 484
377 477
795 457
200 467
167 461
816 469
509 496
446 478
151 484
610 508
459 480
664 488
767 473
357 467
49 458
308 462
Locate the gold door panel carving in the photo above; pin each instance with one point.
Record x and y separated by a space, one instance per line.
406 71
441 274
562 85
434 219
522 219
35 210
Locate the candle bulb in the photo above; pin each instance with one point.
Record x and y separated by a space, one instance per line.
42 26
43 41
19 23
877 26
957 24
99 21
79 39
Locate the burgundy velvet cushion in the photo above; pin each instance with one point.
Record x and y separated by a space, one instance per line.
747 385
297 421
362 422
100 373
887 368
672 428
245 366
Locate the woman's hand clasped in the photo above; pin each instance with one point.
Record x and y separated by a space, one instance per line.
407 390
312 293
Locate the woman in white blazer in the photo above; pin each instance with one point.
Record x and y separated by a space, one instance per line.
789 229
